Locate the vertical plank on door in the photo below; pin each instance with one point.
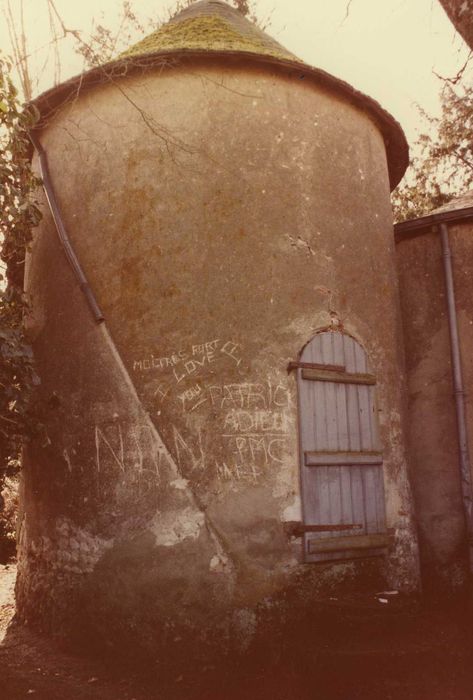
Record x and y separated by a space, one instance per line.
339 417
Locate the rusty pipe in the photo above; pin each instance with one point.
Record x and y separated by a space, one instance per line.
62 233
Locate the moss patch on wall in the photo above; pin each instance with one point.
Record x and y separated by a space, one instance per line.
207 33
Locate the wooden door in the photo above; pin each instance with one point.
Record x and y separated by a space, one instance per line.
341 458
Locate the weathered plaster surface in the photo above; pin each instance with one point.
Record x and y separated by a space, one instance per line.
222 216
432 418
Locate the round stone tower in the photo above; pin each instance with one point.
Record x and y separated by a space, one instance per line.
228 442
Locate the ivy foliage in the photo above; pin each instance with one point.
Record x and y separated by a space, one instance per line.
19 214
443 166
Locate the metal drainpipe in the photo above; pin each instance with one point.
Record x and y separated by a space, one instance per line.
61 230
458 388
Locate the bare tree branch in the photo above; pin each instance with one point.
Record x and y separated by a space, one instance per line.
347 12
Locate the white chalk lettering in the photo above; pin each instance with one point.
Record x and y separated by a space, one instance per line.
152 362
197 355
229 348
133 449
205 348
238 420
190 394
162 391
186 457
237 472
100 439
249 395
264 448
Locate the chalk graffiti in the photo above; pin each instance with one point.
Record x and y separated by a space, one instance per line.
254 447
188 360
162 391
231 349
247 423
243 396
153 362
242 425
264 421
191 366
190 394
237 472
188 459
205 348
116 452
248 395
131 449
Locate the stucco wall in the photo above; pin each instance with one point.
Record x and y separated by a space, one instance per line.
432 431
223 215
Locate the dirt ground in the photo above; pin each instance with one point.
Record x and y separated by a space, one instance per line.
32 666
368 652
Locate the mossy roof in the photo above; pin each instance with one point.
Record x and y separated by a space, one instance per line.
209 25
212 29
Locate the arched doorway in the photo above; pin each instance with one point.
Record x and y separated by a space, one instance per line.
341 457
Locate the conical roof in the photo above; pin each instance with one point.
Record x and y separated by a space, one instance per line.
210 25
210 30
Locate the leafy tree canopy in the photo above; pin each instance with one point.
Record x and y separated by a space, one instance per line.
443 165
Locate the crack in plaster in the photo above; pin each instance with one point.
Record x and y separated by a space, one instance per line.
300 244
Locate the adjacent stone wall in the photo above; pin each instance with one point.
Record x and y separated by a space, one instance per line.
432 416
